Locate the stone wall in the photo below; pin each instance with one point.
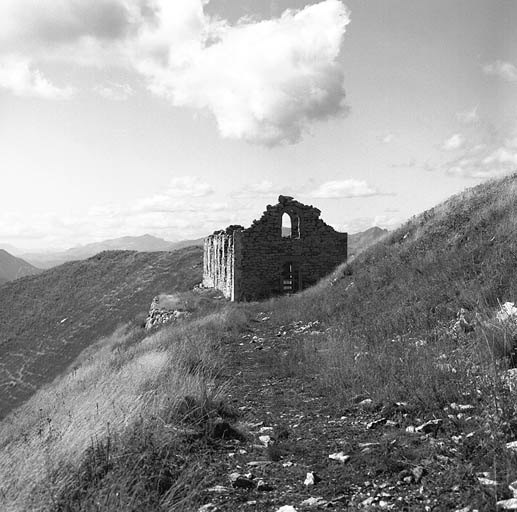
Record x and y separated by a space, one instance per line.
219 261
259 262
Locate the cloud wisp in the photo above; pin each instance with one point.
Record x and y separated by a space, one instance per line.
21 79
333 189
502 69
485 160
264 82
454 142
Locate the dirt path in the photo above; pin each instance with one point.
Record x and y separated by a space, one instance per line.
292 429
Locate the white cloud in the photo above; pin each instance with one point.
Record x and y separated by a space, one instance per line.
334 189
115 91
386 138
505 70
454 142
18 77
469 116
262 189
485 161
264 82
343 189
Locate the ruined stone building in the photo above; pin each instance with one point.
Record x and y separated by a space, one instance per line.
266 260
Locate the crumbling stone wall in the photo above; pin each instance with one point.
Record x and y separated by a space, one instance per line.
258 262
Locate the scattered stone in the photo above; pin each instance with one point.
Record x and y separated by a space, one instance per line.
219 489
367 402
376 423
368 501
513 488
510 504
241 481
512 445
263 486
339 456
314 502
461 407
312 479
430 427
258 463
209 507
265 440
368 445
418 473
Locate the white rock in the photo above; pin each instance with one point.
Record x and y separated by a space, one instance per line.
219 489
314 502
287 508
510 504
512 445
265 440
311 479
339 456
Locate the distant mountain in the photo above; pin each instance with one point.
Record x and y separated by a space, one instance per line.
144 243
12 268
358 242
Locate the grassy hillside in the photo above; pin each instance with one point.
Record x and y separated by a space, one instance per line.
13 268
409 331
48 319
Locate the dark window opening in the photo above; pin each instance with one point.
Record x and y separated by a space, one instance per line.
290 226
291 279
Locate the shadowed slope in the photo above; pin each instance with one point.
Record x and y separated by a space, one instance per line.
46 320
13 268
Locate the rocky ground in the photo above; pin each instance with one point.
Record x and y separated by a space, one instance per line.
301 450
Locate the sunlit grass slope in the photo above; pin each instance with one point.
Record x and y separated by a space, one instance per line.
125 395
48 319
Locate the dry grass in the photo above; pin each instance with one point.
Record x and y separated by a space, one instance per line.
119 381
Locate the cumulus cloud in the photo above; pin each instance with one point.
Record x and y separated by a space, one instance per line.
343 189
33 23
18 77
485 160
264 82
454 142
505 70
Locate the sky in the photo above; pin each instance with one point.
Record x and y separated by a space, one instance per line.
176 118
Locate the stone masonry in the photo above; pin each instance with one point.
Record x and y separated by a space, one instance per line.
266 260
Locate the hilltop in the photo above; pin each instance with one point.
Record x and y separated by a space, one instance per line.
389 385
12 268
46 320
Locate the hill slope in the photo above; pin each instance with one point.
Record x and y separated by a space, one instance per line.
362 380
358 242
12 268
46 320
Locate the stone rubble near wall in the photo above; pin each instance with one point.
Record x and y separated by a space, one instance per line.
247 264
159 315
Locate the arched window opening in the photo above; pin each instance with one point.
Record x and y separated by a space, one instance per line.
290 226
287 226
